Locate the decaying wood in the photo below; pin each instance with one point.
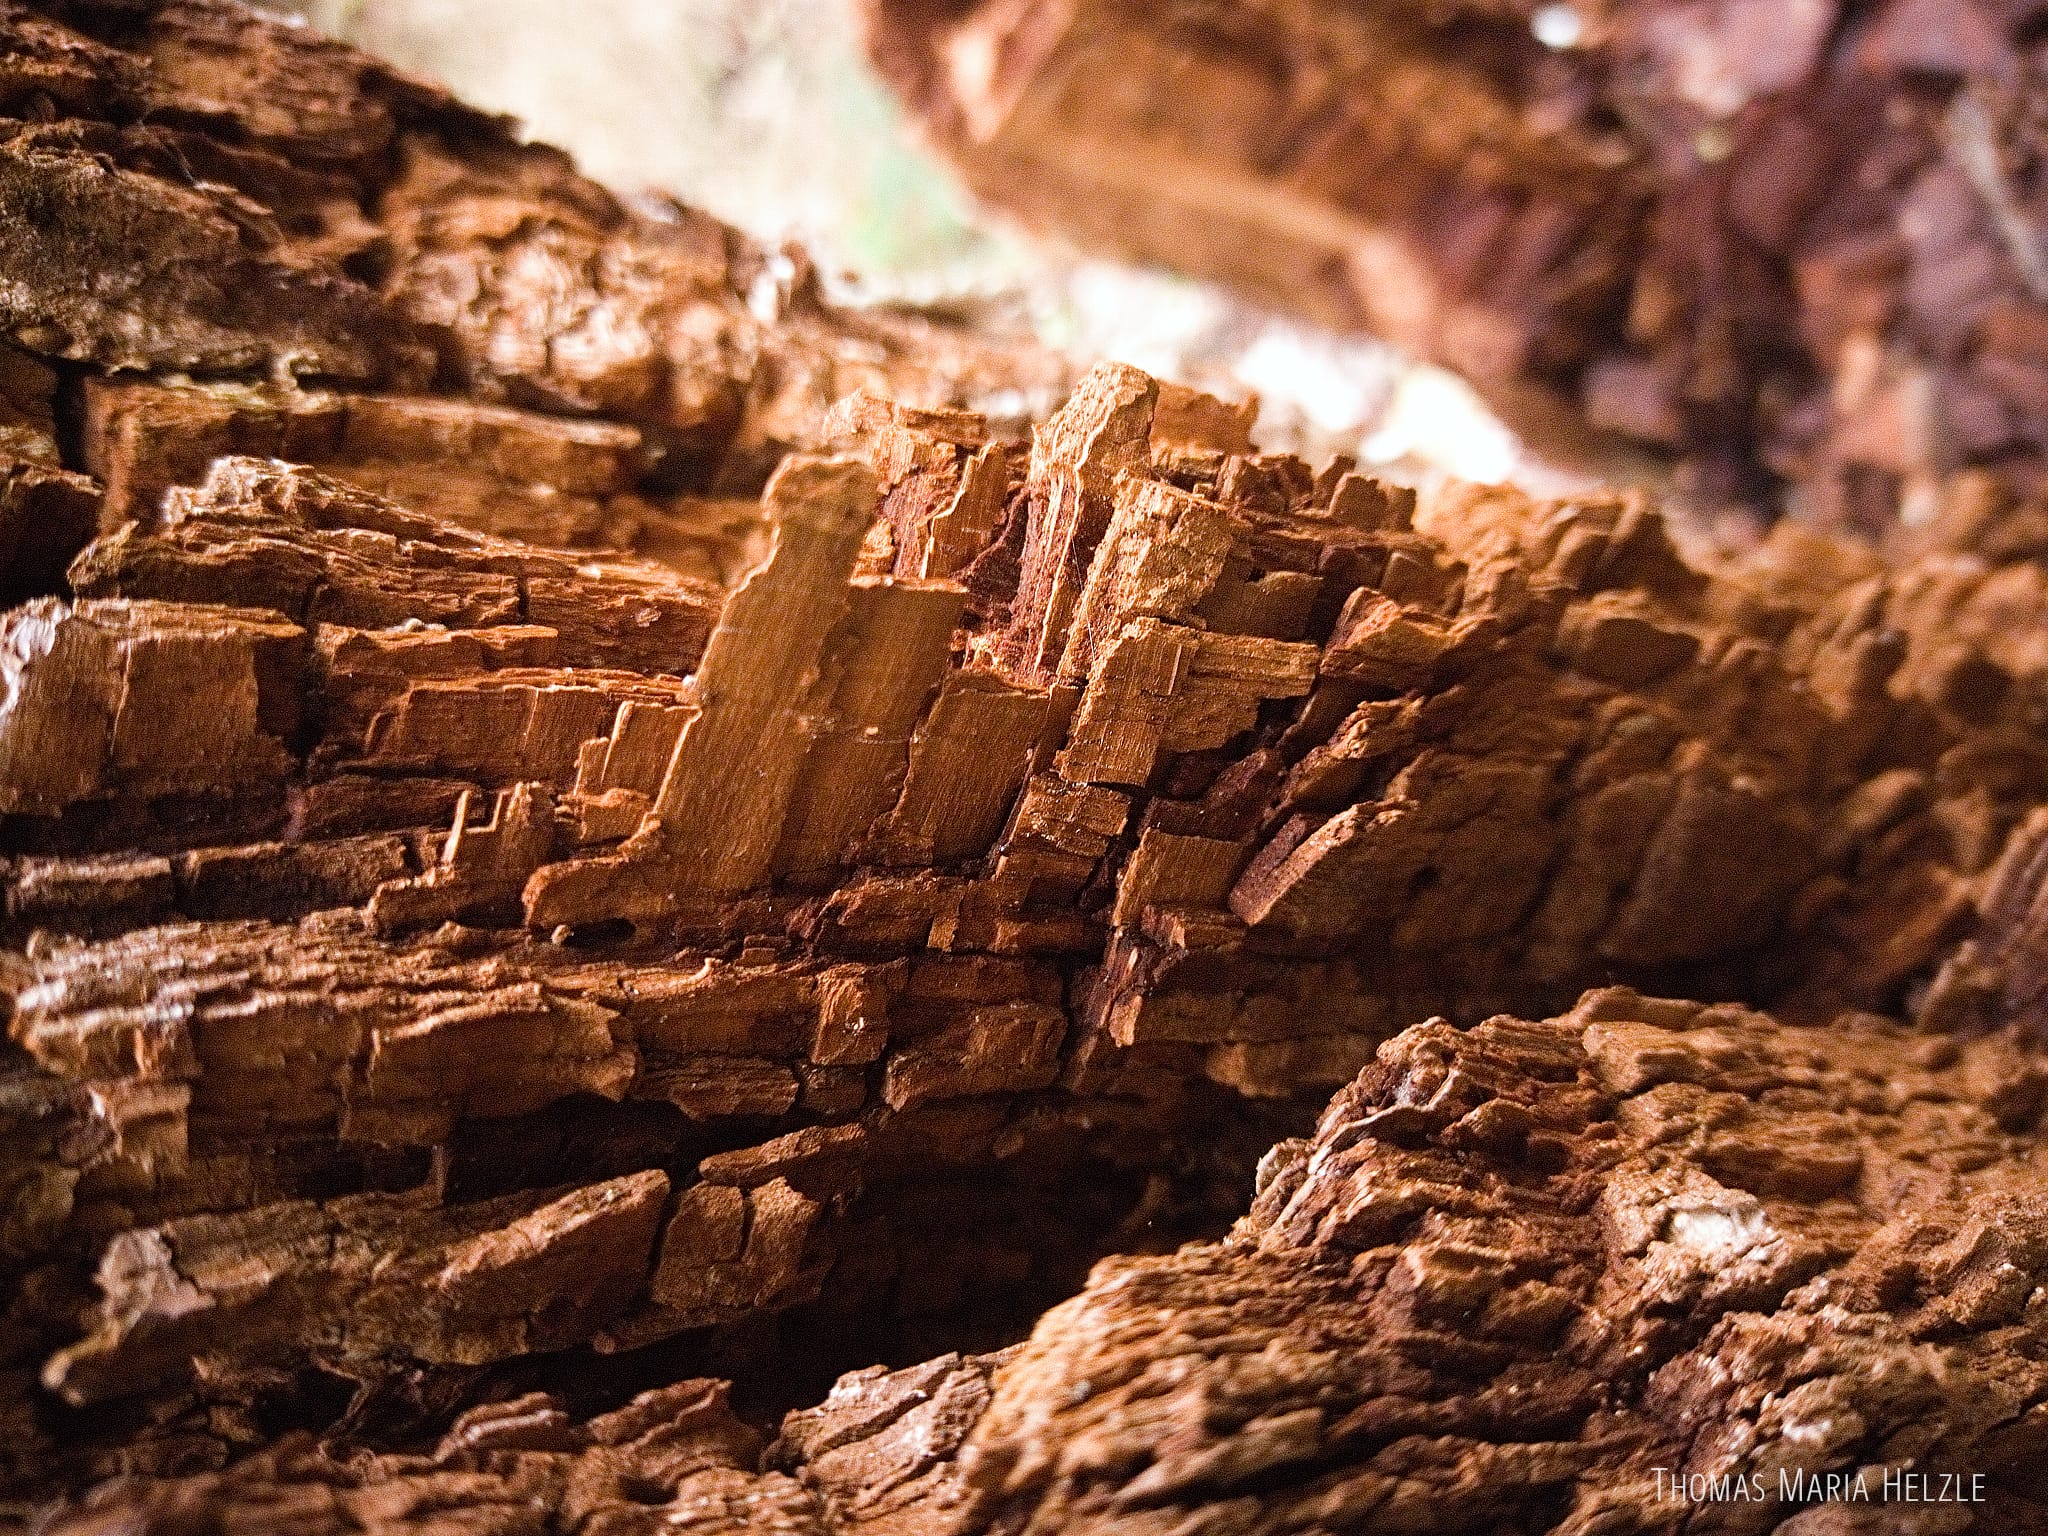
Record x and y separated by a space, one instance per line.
1804 242
345 267
1522 1277
1519 1270
880 1452
470 985
316 1075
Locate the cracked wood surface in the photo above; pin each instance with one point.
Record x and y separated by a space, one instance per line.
469 986
1515 1272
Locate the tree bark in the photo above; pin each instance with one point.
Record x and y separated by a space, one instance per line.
466 992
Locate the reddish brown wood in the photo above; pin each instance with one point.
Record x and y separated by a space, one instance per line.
467 993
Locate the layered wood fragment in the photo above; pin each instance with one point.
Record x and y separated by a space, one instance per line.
366 1273
1798 245
553 480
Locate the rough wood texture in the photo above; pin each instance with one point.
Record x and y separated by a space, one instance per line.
1519 1269
877 1454
1804 242
465 994
302 1071
1522 1277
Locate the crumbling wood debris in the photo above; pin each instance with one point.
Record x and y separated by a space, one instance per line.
1570 1276
381 1001
1803 245
1562 1276
878 1453
456 983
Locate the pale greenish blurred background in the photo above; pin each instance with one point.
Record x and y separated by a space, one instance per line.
764 113
761 111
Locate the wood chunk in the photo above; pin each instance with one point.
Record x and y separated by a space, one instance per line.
511 448
1279 605
1318 881
483 867
943 483
957 534
876 914
500 728
141 438
349 802
991 1050
729 1250
967 762
1165 688
710 1005
365 672
1078 819
889 653
57 892
1280 1069
1994 974
1332 773
817 1160
365 1273
322 551
1657 923
1383 645
720 831
1228 678
712 1087
1152 992
482 253
107 698
853 1014
882 1449
504 1051
1101 432
288 879
512 473
1161 558
1170 870
1359 501
418 1039
1123 717
878 674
